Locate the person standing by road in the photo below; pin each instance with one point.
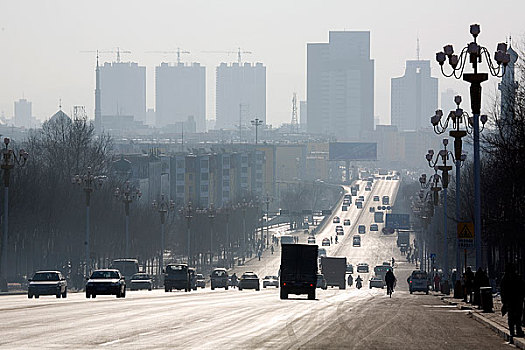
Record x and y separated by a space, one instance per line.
512 293
437 280
468 277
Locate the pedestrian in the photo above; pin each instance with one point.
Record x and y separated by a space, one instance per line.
468 278
350 280
259 255
479 280
271 249
437 281
512 293
331 241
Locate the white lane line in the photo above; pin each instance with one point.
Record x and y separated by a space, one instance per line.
110 342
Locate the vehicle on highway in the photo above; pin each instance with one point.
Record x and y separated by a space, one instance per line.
298 270
354 190
376 282
344 208
325 242
372 209
249 280
141 281
347 222
362 267
347 196
374 227
334 271
219 278
106 282
403 238
177 276
311 240
349 268
356 241
200 281
321 252
287 239
389 177
368 188
361 198
321 281
378 217
359 205
336 220
271 281
361 229
376 199
47 283
386 200
418 282
127 267
339 230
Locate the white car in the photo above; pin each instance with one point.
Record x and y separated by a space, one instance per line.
376 282
326 242
362 268
336 220
271 281
374 227
311 240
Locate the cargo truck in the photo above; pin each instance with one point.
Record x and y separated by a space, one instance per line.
298 272
334 270
403 238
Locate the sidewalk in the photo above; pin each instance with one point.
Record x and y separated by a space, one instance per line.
494 320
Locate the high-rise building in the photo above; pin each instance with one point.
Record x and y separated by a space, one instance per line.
340 86
508 88
240 94
414 97
23 113
122 90
303 115
180 92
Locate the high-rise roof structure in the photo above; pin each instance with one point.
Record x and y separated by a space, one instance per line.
508 87
240 94
414 97
23 113
180 92
340 86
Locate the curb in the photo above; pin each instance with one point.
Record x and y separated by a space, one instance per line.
13 293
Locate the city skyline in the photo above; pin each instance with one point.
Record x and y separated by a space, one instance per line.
281 48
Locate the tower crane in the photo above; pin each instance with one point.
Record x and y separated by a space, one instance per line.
118 51
179 51
239 52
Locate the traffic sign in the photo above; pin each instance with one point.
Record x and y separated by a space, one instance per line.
465 232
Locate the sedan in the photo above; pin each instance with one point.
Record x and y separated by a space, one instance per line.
376 198
374 227
249 280
362 267
336 220
359 205
376 282
361 229
141 281
271 281
356 241
326 242
311 240
47 283
321 282
200 282
347 222
106 282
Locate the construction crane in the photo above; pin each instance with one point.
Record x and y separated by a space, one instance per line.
239 52
294 123
118 51
179 51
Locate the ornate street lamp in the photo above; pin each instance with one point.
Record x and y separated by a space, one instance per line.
163 207
127 195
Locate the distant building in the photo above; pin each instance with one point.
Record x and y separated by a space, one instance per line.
240 94
23 113
180 91
414 97
340 86
122 90
303 116
508 88
447 101
150 117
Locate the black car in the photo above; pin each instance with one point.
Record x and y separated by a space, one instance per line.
249 280
219 279
106 282
47 283
177 276
141 281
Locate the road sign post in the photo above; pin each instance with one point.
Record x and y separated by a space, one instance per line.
465 235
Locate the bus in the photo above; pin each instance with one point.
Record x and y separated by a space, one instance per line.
127 267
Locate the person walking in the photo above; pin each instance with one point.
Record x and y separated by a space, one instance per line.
468 276
271 249
512 292
437 281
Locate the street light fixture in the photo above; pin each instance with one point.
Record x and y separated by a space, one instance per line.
88 182
475 53
256 122
211 216
187 212
163 207
127 195
9 160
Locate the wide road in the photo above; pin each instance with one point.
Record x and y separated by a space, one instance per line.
337 319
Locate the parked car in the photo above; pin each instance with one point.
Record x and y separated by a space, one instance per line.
339 230
326 242
200 281
362 268
336 220
347 222
106 282
311 240
219 278
271 281
374 227
376 282
141 281
321 282
47 283
249 280
368 188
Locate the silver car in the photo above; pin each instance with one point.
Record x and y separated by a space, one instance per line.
271 281
47 283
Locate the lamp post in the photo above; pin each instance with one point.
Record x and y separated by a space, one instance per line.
256 122
475 53
88 182
163 207
226 210
243 209
462 125
9 160
188 214
211 216
267 201
428 208
127 195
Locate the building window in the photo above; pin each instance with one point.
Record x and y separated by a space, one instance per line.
180 189
190 176
259 177
180 177
225 194
204 163
226 183
244 170
204 188
204 176
225 172
226 161
180 163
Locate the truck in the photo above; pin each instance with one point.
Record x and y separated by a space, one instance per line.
127 268
177 276
334 269
298 271
403 238
378 216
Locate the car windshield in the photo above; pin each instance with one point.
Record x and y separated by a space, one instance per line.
249 275
140 277
200 276
419 275
219 273
45 276
104 275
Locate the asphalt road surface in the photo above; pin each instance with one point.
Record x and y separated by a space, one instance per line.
337 319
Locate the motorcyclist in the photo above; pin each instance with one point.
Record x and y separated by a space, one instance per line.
390 280
358 282
234 280
350 280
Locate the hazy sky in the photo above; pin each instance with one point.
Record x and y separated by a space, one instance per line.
40 42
